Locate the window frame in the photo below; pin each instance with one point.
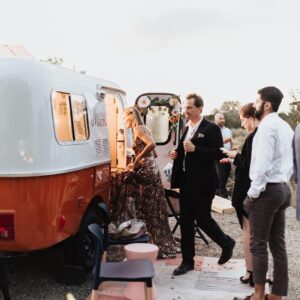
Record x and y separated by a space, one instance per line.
144 117
73 142
86 122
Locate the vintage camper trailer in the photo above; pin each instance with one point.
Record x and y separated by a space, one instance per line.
56 154
62 134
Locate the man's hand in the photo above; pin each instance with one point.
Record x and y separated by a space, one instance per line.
231 154
227 140
173 154
188 146
225 161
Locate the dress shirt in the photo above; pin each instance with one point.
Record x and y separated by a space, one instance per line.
272 154
191 129
190 133
226 133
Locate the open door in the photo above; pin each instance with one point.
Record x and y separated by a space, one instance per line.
116 131
162 116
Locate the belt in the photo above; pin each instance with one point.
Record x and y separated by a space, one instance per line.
275 183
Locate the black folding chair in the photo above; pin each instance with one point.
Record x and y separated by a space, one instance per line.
172 197
107 241
3 282
136 270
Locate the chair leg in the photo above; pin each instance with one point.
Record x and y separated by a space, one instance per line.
201 236
104 256
94 295
145 290
149 293
175 227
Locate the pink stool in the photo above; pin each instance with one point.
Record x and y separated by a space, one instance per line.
135 290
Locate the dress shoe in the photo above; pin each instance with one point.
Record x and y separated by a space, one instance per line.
248 279
269 281
183 268
226 253
244 298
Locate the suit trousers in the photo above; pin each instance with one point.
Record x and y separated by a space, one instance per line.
196 206
267 226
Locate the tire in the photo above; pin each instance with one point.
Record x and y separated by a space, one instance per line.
80 249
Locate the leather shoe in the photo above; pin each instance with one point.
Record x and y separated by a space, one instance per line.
183 268
244 298
226 253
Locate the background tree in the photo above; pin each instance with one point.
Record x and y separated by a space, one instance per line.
229 106
294 112
292 117
230 109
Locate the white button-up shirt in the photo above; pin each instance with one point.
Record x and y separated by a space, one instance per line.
272 154
191 129
190 133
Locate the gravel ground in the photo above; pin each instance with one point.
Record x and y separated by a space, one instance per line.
34 276
230 225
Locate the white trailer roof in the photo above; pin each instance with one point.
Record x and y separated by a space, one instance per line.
28 143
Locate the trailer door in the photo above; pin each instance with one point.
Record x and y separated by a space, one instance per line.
162 116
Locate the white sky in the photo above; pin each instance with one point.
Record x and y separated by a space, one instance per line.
223 50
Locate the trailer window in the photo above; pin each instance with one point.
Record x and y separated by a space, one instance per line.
62 116
80 120
70 117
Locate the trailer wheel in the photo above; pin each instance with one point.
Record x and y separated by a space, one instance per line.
80 249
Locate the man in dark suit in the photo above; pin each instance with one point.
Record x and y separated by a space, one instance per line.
194 173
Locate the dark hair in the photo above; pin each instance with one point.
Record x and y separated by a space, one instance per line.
247 110
198 101
271 94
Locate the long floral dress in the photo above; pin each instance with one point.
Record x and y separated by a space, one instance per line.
145 186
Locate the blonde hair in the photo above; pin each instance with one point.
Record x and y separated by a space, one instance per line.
136 115
137 118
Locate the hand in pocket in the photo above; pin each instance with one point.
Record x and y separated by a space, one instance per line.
248 202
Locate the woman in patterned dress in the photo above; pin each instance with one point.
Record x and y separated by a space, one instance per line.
150 202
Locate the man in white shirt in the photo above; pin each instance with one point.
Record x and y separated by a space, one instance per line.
223 169
269 195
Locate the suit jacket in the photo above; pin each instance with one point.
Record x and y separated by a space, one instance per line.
242 180
200 170
296 148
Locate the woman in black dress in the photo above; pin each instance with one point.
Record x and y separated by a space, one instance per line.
242 182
